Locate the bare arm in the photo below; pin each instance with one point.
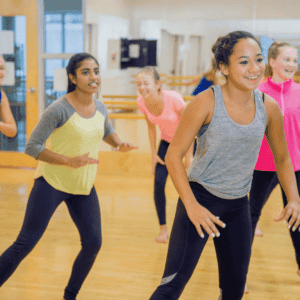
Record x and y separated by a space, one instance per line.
114 141
195 115
152 135
152 139
195 80
51 157
189 154
284 168
8 125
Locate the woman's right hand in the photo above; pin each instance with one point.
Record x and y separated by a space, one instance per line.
81 161
156 159
200 216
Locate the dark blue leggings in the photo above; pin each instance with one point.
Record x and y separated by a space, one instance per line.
263 184
160 179
42 203
232 247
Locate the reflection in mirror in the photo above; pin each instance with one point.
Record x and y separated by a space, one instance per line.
15 84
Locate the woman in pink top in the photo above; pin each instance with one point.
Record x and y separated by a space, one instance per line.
283 59
162 108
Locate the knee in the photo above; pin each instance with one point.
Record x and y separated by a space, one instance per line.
25 243
93 244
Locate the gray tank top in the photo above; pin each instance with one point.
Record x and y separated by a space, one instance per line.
227 152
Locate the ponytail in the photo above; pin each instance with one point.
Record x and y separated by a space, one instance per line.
268 71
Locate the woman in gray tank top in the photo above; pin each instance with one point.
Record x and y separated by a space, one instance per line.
230 122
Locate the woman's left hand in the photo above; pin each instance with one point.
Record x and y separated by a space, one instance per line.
292 212
125 147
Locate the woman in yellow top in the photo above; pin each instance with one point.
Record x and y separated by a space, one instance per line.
72 127
7 122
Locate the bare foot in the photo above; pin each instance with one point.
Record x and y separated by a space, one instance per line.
258 231
163 235
298 272
246 291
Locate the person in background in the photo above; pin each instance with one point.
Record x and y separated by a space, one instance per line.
206 80
282 65
7 122
163 108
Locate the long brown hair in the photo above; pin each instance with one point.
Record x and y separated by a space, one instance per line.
273 52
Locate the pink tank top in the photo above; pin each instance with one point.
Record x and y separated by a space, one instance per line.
287 95
169 119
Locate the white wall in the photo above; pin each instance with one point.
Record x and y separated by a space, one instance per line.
117 8
209 19
112 19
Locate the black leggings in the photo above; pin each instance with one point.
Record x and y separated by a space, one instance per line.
232 247
160 179
263 184
43 201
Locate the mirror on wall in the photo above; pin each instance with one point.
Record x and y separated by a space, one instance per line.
13 49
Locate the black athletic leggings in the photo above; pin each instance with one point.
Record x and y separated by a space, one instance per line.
160 179
263 184
43 201
232 247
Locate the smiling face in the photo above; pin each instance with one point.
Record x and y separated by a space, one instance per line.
285 64
2 69
147 86
87 77
246 66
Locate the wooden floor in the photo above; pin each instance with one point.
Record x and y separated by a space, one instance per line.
130 263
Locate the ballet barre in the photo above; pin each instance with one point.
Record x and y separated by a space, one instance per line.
132 103
126 116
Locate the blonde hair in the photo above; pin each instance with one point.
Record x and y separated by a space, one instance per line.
273 52
151 71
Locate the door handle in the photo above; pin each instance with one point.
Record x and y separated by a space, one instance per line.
31 90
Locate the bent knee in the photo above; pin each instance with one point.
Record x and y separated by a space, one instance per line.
93 245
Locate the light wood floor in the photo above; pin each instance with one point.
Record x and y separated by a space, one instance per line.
130 263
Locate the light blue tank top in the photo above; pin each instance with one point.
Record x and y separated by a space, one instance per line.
227 152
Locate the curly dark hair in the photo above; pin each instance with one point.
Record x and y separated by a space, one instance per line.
74 63
223 48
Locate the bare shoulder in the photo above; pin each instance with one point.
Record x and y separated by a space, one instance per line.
205 98
204 104
272 108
